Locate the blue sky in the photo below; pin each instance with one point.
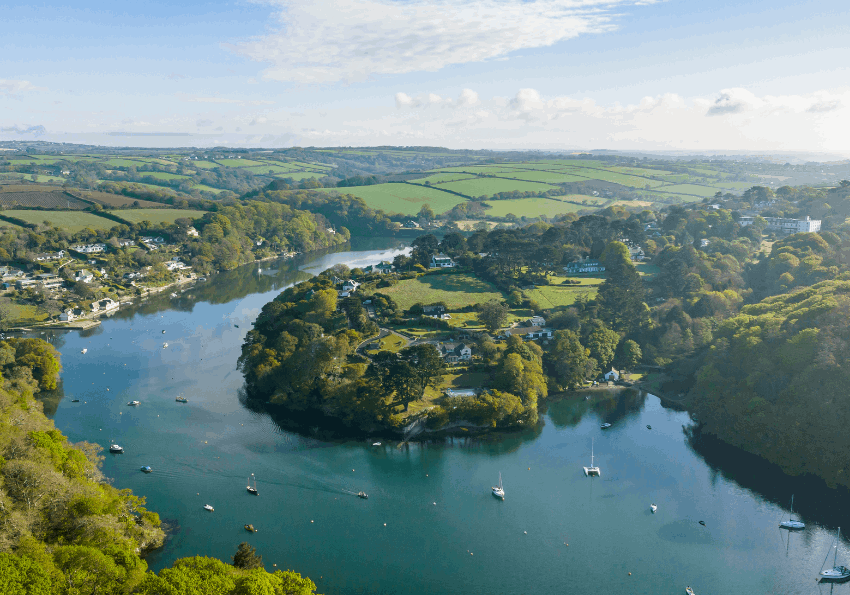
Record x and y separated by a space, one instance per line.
565 74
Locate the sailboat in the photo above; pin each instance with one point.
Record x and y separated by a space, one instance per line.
254 489
836 573
791 524
498 490
592 470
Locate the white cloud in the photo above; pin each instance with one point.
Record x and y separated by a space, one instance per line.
468 97
14 88
404 100
194 99
321 41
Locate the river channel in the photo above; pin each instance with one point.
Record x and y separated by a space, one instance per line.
430 524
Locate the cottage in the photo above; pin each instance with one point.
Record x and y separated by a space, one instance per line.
89 248
636 253
351 286
584 265
612 376
123 243
411 225
50 255
71 314
535 321
441 261
191 231
106 305
83 276
434 310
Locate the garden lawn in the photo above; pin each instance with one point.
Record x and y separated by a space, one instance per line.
530 207
559 296
392 343
404 199
73 221
158 215
455 289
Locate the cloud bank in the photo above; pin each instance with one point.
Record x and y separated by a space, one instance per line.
324 41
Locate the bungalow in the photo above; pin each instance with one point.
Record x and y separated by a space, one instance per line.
530 333
123 243
175 265
584 265
441 261
89 248
612 376
433 310
453 353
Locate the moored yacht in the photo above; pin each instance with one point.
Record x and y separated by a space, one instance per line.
134 403
253 490
498 490
791 524
592 471
209 507
836 573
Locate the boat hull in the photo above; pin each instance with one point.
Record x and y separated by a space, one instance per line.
592 472
499 493
838 573
792 525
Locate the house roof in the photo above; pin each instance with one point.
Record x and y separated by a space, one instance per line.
524 330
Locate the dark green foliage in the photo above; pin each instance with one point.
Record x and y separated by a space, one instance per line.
246 557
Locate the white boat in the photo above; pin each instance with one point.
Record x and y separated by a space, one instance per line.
174 295
592 470
836 573
376 444
791 524
182 400
605 425
84 351
689 591
653 507
134 403
164 345
253 490
498 490
209 507
116 448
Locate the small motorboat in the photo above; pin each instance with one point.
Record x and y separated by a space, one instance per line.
84 351
702 523
134 403
653 507
376 444
209 507
236 325
250 528
182 400
164 345
605 425
114 448
146 469
163 332
75 400
689 591
648 427
363 495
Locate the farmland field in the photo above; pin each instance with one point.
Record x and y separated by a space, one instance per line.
490 186
445 177
204 164
73 221
238 162
264 169
47 200
559 296
405 199
298 175
455 289
705 191
543 176
531 207
113 200
161 175
610 176
158 215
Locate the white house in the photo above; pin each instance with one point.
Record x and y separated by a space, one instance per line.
536 321
89 248
83 275
530 332
612 376
441 261
50 255
351 286
191 231
106 305
453 353
585 265
123 243
69 315
786 225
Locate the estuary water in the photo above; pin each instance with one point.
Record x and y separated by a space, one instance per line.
430 524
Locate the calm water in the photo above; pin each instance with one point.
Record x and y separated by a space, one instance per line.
430 524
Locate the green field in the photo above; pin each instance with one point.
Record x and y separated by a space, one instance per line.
455 289
264 169
559 296
204 164
158 215
490 186
405 199
544 176
532 207
617 178
446 177
238 162
705 191
299 175
73 221
205 188
119 162
161 175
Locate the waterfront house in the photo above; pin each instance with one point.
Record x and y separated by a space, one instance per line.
612 376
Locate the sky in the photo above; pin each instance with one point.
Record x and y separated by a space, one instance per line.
708 76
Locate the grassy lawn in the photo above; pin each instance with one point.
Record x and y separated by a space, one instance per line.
455 380
73 221
531 207
455 289
25 314
646 269
405 199
392 343
158 215
490 186
559 296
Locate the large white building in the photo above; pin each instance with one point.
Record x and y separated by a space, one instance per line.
786 225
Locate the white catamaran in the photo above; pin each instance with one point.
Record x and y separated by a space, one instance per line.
498 490
836 573
791 524
592 470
